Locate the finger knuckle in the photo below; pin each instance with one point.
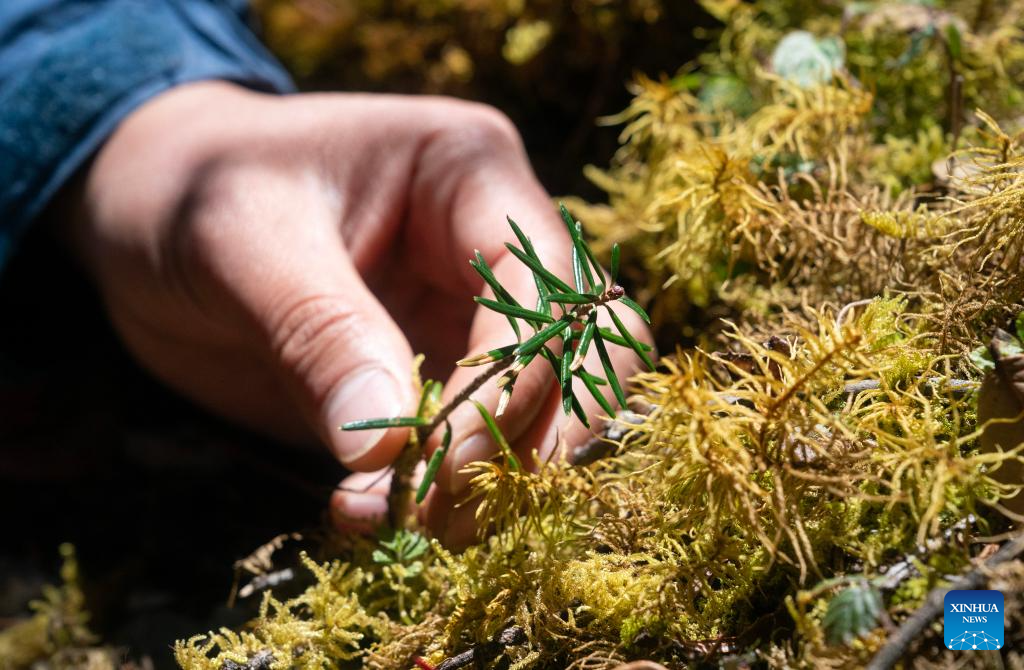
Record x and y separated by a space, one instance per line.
482 128
493 123
304 330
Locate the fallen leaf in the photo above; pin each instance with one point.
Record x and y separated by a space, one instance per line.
1002 397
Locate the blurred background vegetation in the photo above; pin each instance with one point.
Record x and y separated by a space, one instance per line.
553 66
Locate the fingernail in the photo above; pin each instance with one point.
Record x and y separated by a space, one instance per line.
476 447
370 394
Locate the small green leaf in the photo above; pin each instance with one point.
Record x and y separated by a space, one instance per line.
953 41
513 310
534 264
610 336
852 613
484 270
982 359
556 367
533 345
591 382
426 395
488 357
635 307
806 60
615 262
570 223
523 239
414 545
434 464
633 343
403 546
565 370
577 271
499 439
585 339
394 422
609 371
581 250
1019 326
543 306
542 288
585 248
577 251
572 298
1005 345
577 409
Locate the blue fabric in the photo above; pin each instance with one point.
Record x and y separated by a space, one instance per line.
71 70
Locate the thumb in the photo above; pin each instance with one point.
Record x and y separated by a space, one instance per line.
341 355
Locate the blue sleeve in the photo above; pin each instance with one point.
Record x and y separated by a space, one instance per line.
71 70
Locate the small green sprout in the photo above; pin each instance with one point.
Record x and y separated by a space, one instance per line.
565 311
400 557
434 464
403 548
852 613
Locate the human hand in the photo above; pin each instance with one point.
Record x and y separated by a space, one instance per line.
278 260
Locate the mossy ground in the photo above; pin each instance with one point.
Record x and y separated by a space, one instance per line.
823 240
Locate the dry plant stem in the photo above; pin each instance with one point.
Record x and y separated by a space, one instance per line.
480 654
400 494
897 645
260 661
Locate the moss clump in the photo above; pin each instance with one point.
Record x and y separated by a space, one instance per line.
319 628
756 483
57 635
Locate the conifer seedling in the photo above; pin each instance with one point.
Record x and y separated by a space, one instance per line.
565 311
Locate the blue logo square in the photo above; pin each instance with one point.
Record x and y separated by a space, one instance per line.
973 620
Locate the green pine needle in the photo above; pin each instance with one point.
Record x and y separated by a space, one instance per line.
394 422
609 371
585 339
484 270
556 367
514 310
633 343
534 264
582 257
635 307
496 435
565 370
431 391
534 343
577 270
523 239
592 382
613 338
434 464
572 298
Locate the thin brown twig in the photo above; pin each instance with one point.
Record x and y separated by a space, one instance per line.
401 489
481 654
898 644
